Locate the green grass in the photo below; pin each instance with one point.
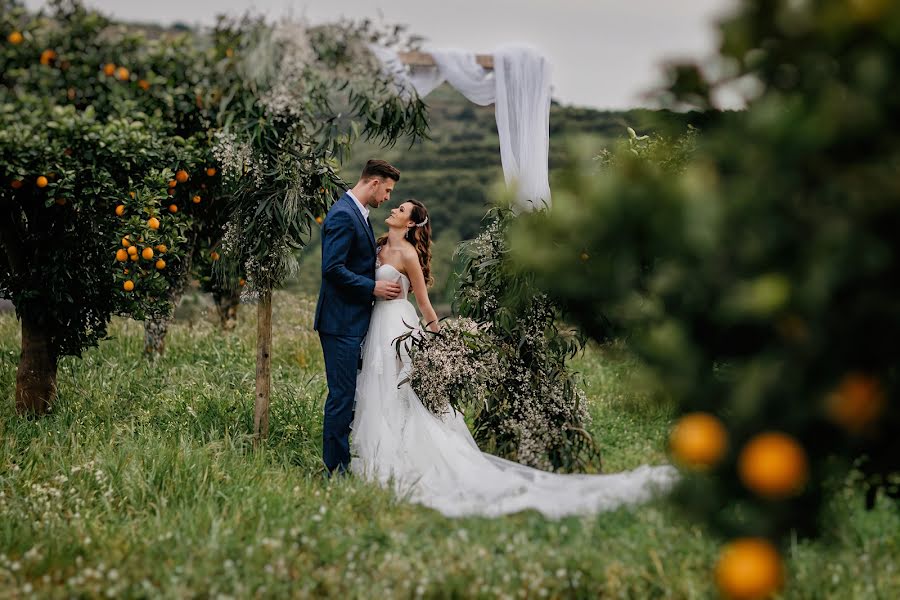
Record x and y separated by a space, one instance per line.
143 483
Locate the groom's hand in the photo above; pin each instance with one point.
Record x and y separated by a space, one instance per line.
386 290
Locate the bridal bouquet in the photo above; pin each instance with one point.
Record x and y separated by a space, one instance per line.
451 369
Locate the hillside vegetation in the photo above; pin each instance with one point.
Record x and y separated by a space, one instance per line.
455 170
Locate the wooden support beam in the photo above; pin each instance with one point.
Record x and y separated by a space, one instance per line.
423 59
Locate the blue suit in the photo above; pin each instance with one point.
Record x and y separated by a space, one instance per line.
342 319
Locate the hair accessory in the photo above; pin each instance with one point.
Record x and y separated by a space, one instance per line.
422 224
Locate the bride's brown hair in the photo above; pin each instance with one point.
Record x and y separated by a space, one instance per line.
419 235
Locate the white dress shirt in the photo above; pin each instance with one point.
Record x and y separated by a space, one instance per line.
363 209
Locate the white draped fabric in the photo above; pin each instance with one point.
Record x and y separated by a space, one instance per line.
519 87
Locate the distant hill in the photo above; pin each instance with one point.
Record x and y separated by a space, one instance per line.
453 171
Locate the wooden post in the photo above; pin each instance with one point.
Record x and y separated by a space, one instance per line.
423 59
263 366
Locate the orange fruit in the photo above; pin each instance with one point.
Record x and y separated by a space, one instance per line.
321 190
181 176
160 264
41 182
229 52
856 403
749 569
147 253
16 184
120 210
121 255
196 199
211 171
144 84
109 69
773 465
125 241
122 74
61 201
698 440
319 220
162 249
153 223
47 56
172 183
242 282
126 272
173 208
15 38
214 255
134 257
128 285
132 194
171 191
132 250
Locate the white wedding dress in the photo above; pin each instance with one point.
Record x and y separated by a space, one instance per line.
434 460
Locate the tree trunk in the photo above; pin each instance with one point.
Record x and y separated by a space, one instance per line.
155 329
36 375
263 365
227 306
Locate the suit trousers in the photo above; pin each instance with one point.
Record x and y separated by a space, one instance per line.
341 354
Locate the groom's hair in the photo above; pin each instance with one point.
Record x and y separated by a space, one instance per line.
379 168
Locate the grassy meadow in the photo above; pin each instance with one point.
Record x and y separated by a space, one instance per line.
143 483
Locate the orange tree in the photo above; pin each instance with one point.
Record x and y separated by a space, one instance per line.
84 170
769 311
178 83
69 261
292 101
86 60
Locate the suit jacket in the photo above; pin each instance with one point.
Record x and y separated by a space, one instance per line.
348 271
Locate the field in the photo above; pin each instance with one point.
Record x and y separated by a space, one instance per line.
143 483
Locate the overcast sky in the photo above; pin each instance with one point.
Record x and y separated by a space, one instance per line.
605 53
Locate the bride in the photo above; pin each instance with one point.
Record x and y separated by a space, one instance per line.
434 460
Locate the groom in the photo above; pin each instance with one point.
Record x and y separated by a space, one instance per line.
345 300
